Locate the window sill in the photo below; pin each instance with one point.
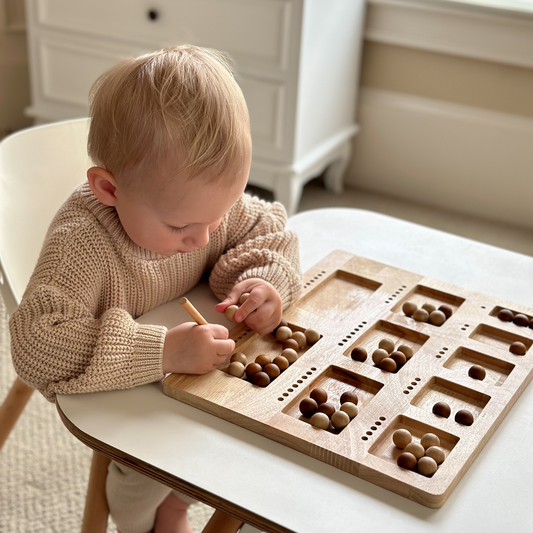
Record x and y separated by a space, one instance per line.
500 31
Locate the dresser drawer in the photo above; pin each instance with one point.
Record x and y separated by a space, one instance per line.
258 34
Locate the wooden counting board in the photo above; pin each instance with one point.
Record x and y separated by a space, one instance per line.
355 302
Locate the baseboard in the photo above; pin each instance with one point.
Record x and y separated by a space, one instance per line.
462 158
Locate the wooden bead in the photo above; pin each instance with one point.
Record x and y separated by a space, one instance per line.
505 315
378 355
350 409
427 466
290 355
437 453
340 419
387 345
252 369
239 357
312 336
282 322
406 460
244 297
421 315
320 420
388 365
230 312
442 409
521 320
409 308
359 354
399 358
326 408
429 307
261 379
319 395
437 318
477 372
406 350
281 362
518 348
262 359
446 309
283 333
349 396
401 438
300 338
272 370
292 344
464 417
416 449
430 439
236 369
308 407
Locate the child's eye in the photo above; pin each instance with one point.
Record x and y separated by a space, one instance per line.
177 230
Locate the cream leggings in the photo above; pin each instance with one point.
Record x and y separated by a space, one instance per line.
133 498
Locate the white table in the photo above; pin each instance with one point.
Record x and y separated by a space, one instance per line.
279 489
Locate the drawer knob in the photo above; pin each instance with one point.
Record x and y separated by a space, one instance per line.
153 14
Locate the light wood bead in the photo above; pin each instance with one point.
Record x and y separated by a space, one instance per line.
312 336
429 307
263 359
427 466
230 312
239 357
387 345
244 297
437 318
340 419
283 333
409 308
437 453
430 439
406 460
378 355
320 420
300 338
350 409
406 350
421 315
236 369
401 438
290 354
416 449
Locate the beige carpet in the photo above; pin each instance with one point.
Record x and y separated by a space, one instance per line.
44 469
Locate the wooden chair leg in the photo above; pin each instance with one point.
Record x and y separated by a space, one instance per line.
221 522
12 407
96 510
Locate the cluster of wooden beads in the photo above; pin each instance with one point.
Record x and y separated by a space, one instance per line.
506 315
232 309
428 313
295 340
387 356
463 416
323 415
425 456
261 372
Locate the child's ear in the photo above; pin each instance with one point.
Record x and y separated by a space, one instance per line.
103 185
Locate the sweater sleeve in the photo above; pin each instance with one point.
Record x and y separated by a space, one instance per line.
58 347
258 246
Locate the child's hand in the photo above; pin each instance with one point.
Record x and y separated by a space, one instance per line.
193 349
262 309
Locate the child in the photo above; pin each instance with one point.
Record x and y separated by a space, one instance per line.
164 203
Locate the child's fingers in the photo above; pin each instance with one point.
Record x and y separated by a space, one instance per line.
231 299
253 302
219 332
224 347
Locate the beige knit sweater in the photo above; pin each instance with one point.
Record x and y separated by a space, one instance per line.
74 330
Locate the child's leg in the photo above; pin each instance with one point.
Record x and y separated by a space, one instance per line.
172 516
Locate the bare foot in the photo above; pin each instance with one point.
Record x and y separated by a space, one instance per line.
172 516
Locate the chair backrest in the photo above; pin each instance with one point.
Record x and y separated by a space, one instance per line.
39 168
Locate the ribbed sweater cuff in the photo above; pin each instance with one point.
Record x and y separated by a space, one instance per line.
147 357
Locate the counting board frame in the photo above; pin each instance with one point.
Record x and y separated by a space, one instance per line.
353 301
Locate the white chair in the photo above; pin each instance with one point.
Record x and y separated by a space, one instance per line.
39 168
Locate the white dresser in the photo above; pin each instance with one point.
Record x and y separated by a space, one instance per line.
297 62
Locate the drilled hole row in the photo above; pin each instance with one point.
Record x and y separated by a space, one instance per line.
296 385
397 293
464 328
411 387
373 428
316 278
352 333
441 353
243 335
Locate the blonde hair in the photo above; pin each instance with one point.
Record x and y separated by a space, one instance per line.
175 110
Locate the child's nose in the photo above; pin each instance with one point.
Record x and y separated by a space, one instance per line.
200 238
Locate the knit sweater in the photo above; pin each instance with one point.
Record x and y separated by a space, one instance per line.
75 331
